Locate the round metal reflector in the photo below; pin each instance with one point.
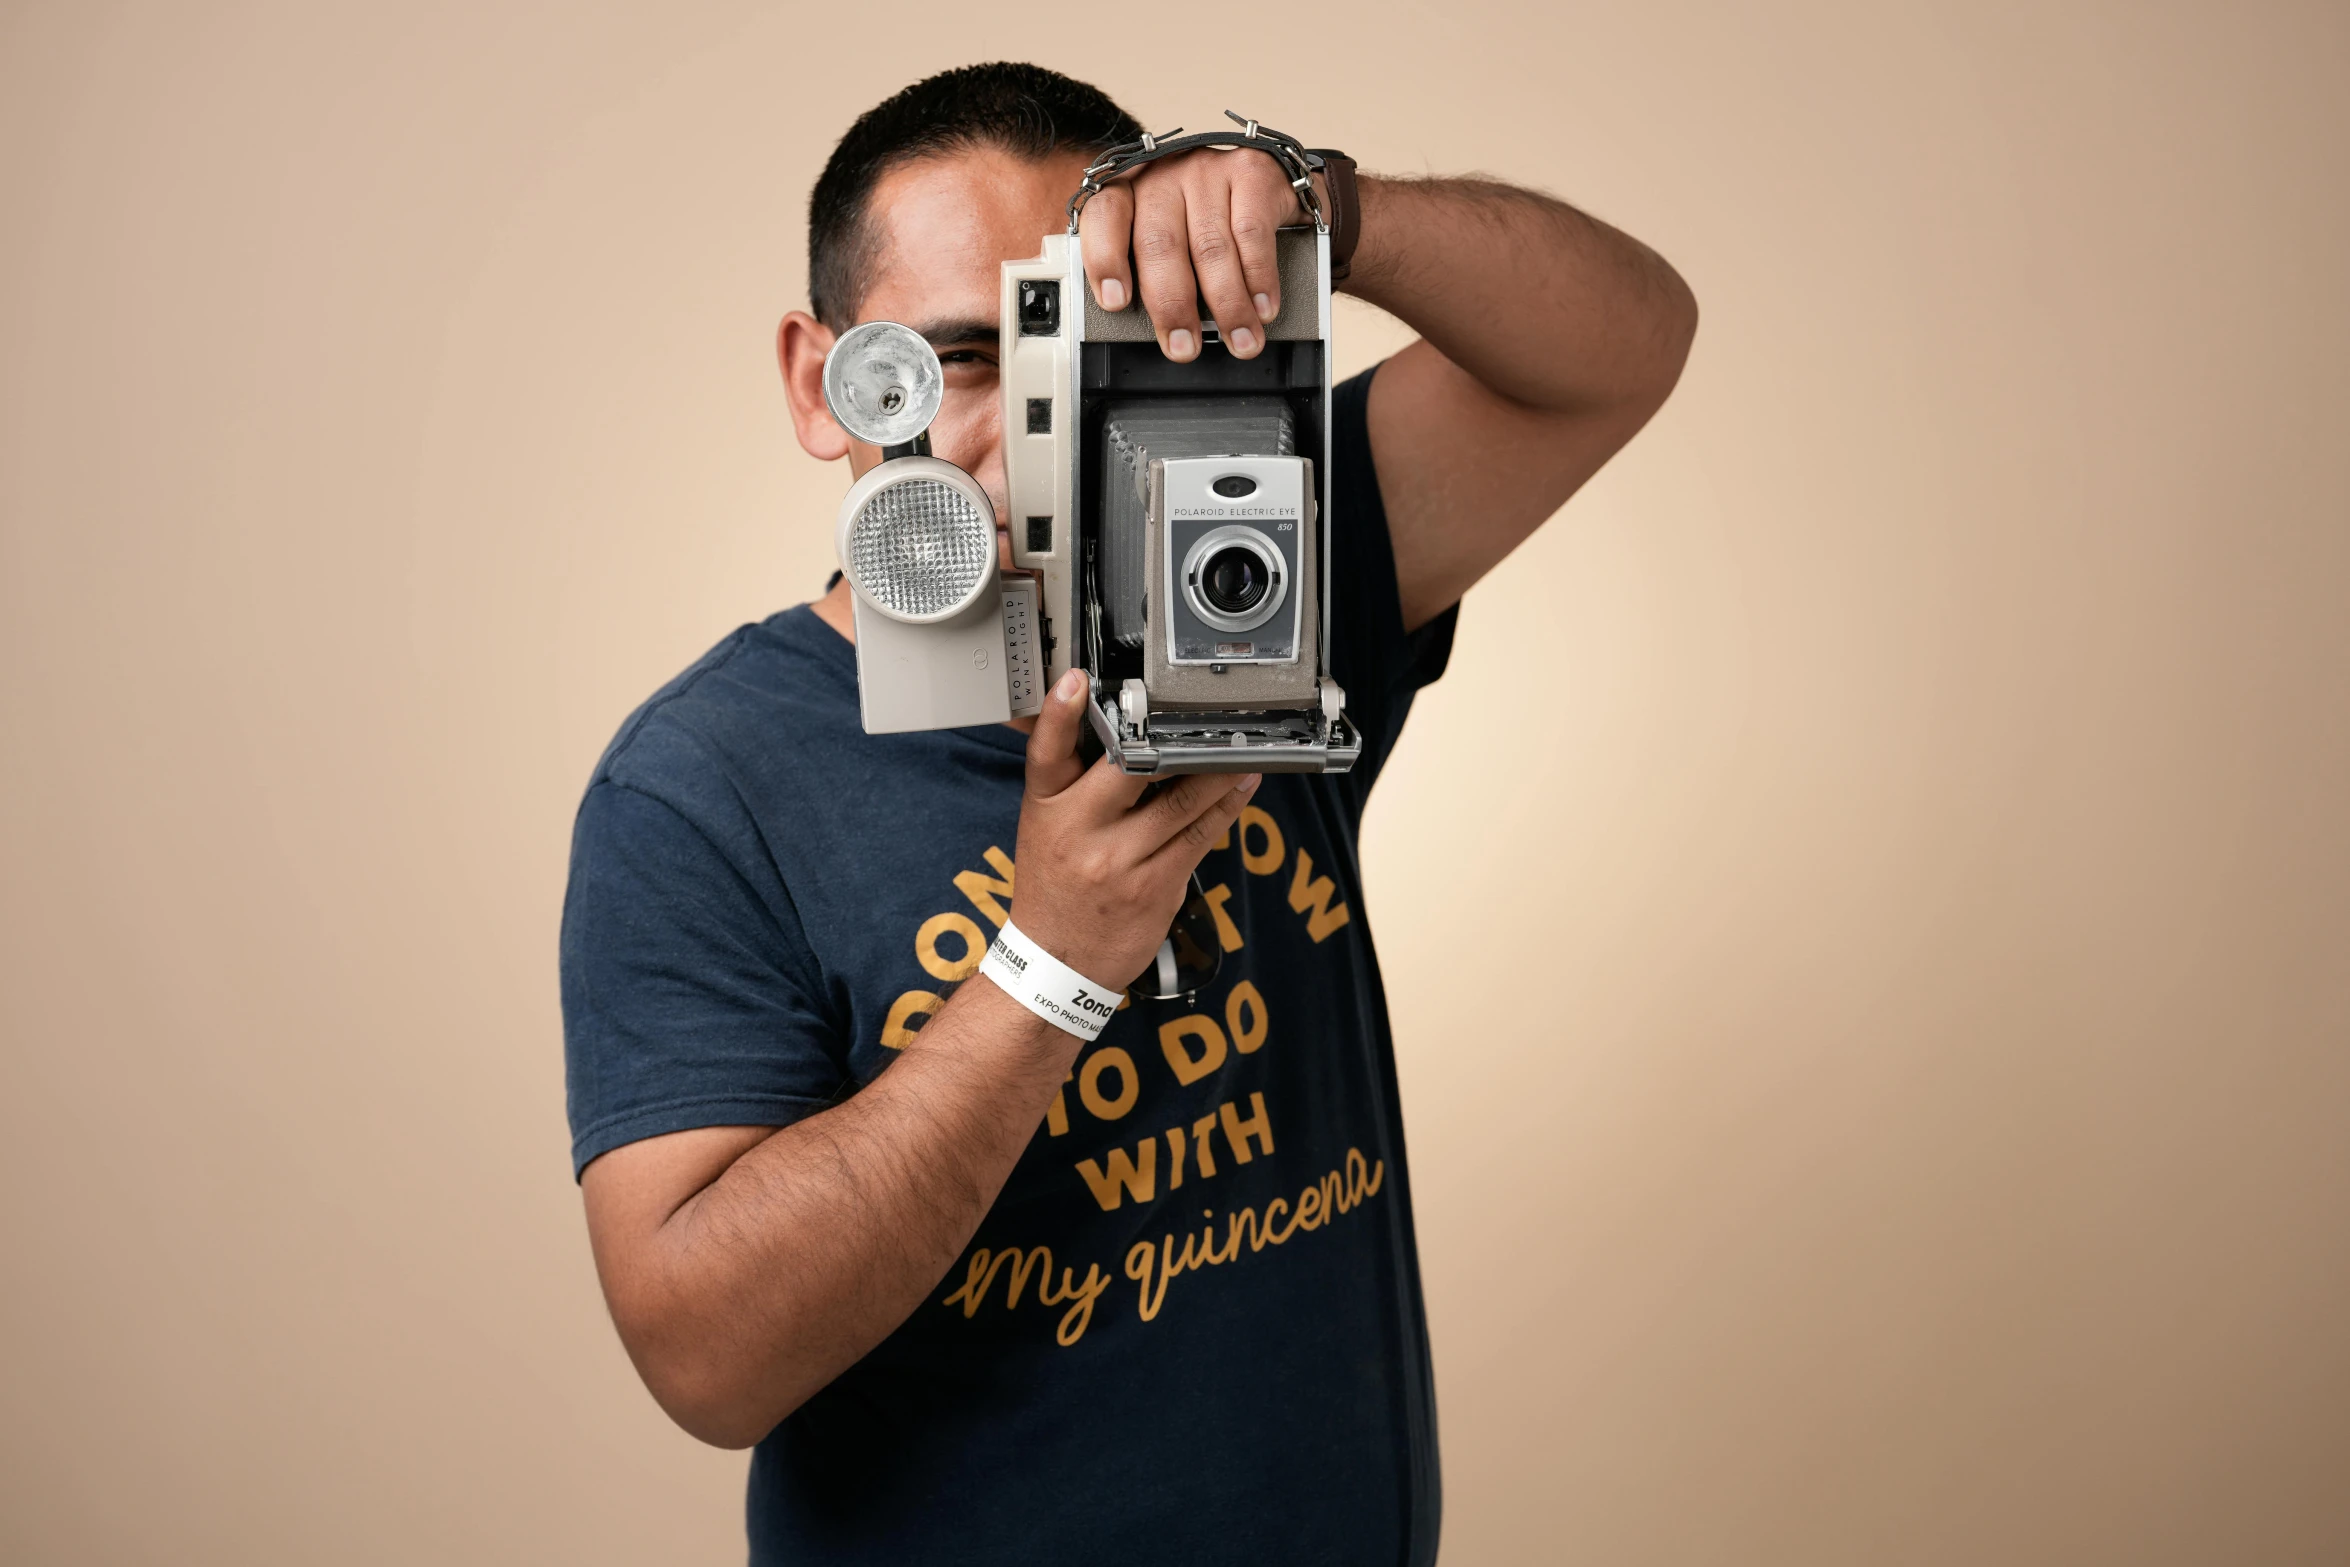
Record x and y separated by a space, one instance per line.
882 383
919 549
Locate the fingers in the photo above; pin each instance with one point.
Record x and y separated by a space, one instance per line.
1200 227
1178 808
1162 263
1215 258
1052 745
1167 813
1259 208
1104 231
1198 833
1107 791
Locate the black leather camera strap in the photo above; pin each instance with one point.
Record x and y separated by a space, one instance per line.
1340 216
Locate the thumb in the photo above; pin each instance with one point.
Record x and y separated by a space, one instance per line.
1052 745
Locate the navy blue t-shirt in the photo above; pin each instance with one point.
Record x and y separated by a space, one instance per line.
1190 1329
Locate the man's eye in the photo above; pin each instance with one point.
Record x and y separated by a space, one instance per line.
965 356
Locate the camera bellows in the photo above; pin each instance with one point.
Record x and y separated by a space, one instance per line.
1135 431
920 549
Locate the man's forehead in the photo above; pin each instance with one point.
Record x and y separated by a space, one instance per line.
942 227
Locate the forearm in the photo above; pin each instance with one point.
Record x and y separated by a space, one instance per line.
746 1269
1541 304
815 1244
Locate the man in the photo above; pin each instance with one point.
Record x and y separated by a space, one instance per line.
979 1292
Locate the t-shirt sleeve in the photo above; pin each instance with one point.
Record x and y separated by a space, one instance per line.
690 996
1375 659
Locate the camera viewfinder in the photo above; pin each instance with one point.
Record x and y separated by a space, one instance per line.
1040 307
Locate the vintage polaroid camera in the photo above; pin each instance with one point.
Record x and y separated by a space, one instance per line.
1171 522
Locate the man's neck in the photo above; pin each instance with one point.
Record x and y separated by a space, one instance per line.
835 610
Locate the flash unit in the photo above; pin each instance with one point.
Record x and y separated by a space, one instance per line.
943 640
917 540
882 382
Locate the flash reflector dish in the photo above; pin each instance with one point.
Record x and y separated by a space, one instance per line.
920 549
882 382
917 540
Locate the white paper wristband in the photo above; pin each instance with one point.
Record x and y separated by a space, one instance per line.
1046 986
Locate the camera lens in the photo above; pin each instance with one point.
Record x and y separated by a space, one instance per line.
1234 579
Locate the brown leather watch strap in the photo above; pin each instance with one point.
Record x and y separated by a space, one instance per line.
1345 210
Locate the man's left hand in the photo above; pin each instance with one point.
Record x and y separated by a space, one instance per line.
1200 227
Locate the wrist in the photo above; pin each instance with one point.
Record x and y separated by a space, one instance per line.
980 1019
1368 266
1033 975
1337 192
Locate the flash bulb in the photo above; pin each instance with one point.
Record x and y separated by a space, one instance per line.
883 384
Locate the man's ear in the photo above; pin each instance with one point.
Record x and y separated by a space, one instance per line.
800 346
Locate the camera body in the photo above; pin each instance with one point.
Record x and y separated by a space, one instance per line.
1170 529
1176 518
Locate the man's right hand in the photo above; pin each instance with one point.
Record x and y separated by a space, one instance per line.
747 1267
1100 876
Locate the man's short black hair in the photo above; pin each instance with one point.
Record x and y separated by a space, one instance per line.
1024 109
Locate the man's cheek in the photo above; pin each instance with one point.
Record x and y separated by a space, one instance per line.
970 424
977 447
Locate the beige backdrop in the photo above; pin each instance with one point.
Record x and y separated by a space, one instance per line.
1868 915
